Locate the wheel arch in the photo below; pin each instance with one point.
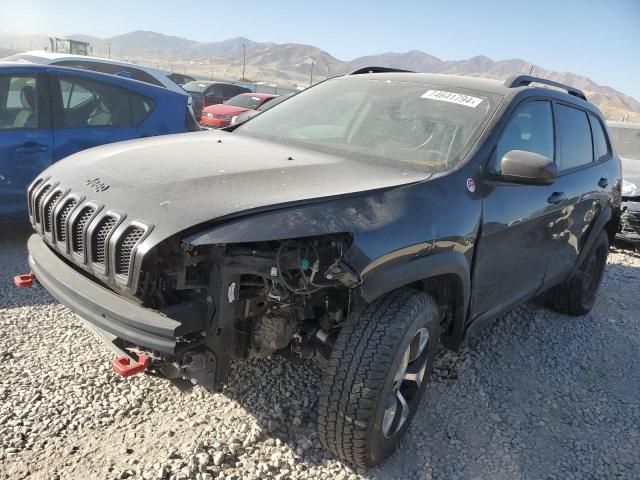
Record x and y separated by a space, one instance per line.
446 276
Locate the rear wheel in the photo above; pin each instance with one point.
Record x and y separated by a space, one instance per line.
577 295
377 372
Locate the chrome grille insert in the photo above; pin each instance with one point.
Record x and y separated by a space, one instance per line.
48 211
78 229
124 247
34 187
62 217
38 202
100 237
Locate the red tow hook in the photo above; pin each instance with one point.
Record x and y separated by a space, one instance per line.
24 281
125 366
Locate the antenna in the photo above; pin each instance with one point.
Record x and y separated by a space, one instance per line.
531 70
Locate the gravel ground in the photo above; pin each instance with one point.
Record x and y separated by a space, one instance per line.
537 395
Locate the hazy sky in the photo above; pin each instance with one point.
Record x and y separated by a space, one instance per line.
599 39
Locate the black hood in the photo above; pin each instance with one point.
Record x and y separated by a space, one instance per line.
175 182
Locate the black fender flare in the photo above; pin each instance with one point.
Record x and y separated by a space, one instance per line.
599 224
446 263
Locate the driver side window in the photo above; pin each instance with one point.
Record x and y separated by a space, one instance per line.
530 129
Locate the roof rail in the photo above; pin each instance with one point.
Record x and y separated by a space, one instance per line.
524 80
362 70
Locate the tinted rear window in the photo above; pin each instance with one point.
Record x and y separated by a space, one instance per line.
575 137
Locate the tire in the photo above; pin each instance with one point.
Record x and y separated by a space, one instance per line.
365 375
576 295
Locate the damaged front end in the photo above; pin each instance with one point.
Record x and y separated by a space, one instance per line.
246 300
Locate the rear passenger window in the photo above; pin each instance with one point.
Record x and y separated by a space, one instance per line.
140 107
18 102
601 148
574 131
530 129
90 103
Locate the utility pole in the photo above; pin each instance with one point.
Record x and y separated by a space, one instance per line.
244 60
30 45
311 73
109 47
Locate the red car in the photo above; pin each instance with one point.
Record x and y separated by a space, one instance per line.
218 116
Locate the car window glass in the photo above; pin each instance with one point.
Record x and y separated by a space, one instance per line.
18 102
420 125
89 103
574 132
140 107
530 129
599 139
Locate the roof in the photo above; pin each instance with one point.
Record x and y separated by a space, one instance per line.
51 56
500 87
473 83
114 79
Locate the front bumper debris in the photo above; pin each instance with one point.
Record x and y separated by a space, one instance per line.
630 222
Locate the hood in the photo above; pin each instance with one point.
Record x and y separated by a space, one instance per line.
175 182
222 109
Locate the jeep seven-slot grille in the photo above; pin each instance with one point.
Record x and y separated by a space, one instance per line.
102 241
61 219
124 247
100 238
78 230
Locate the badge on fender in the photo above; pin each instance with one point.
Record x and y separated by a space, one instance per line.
471 185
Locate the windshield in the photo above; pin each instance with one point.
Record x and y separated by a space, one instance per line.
428 126
244 101
626 141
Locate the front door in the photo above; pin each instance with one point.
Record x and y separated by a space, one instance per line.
517 240
26 145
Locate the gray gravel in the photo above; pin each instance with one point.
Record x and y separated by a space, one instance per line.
537 395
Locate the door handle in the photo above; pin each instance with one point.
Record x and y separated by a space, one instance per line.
32 148
603 182
556 198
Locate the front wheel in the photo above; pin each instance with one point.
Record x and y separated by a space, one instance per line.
377 372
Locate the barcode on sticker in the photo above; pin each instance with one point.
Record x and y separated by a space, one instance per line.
466 100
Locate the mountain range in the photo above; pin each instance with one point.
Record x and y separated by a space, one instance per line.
294 64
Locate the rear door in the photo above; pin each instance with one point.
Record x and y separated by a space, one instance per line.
89 112
26 143
516 239
585 181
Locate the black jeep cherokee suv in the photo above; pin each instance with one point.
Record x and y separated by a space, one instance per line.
363 222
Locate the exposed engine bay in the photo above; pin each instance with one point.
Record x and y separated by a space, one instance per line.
252 300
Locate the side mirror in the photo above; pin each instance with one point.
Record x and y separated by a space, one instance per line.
519 166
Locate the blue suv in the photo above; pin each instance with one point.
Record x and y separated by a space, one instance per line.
48 113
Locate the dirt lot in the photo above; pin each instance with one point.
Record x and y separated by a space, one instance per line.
537 395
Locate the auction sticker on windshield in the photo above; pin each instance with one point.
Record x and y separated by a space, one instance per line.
466 100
